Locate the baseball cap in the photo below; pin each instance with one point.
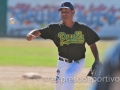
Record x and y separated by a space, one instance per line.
66 5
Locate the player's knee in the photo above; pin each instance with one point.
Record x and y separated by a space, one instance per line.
69 74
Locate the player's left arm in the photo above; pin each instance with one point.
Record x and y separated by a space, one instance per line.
94 50
95 71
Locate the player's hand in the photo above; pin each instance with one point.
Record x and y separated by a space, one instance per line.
29 37
95 71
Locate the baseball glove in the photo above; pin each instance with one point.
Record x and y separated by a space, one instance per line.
95 71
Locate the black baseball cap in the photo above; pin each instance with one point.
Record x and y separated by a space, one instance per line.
66 5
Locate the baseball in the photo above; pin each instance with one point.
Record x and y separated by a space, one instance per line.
12 20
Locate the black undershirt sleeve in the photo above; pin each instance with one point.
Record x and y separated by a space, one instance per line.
47 32
90 36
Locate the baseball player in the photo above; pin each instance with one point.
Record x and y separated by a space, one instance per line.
70 37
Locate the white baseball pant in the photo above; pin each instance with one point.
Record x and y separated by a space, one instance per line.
66 73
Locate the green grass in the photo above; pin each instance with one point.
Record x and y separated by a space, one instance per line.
45 86
41 87
28 88
32 85
20 52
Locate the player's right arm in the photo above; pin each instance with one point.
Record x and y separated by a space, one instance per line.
33 34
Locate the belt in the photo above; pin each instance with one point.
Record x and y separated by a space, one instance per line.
66 60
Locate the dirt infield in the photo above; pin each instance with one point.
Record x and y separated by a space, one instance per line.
11 76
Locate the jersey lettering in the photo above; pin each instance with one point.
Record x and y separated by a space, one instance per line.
77 38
